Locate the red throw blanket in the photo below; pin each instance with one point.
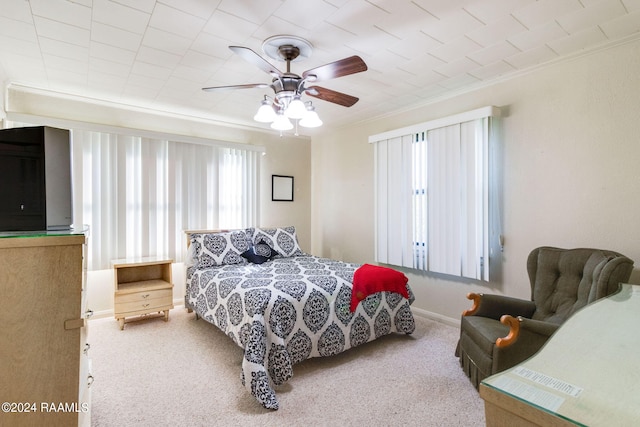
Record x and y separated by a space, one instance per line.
369 279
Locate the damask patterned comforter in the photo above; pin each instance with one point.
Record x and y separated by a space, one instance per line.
289 309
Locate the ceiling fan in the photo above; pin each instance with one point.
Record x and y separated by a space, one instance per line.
289 87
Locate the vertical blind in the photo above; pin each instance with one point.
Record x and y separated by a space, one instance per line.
432 194
139 194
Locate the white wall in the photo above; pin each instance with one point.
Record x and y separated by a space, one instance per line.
291 157
571 167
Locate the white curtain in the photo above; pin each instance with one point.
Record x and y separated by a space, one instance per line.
393 201
432 189
138 194
455 159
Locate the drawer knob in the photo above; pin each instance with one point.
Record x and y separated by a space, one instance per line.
146 305
88 313
89 380
145 296
86 348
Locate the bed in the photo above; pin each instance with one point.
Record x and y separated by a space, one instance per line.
283 306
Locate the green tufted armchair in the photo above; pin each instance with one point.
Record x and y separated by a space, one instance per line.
498 332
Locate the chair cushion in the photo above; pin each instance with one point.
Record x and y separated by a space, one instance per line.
483 331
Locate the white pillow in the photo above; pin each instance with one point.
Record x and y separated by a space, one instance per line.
213 249
282 240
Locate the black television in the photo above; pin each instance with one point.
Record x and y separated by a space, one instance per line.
35 179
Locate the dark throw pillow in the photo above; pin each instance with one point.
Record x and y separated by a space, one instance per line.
259 253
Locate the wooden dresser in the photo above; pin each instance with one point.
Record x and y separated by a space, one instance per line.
44 364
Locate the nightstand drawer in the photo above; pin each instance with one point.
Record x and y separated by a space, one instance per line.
146 305
144 296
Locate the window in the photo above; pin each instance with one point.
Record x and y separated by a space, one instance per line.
139 194
434 195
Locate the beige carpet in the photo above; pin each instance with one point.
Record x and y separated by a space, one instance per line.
187 372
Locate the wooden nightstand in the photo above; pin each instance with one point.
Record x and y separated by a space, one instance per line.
142 286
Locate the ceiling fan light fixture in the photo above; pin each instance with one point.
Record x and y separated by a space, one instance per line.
296 108
281 122
311 118
288 87
265 113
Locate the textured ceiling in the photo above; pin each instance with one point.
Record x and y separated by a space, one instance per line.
160 54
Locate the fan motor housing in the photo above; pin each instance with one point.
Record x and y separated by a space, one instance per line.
289 82
286 87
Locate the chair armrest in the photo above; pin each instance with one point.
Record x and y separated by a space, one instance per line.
494 306
539 327
518 324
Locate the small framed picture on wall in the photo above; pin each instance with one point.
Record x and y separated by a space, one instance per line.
281 188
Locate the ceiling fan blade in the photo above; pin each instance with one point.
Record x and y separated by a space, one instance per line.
344 67
331 96
224 88
253 58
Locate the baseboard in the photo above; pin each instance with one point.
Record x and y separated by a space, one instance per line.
436 317
101 314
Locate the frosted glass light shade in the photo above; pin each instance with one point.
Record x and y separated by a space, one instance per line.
265 113
281 122
310 120
296 108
